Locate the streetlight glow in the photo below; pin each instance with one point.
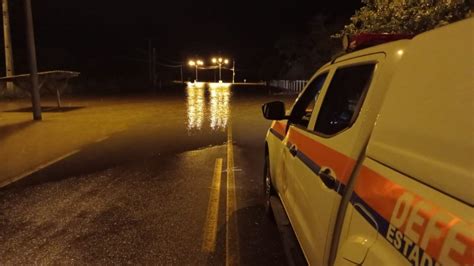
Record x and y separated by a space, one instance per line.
219 61
196 64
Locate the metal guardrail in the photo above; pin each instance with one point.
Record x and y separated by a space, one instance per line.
295 86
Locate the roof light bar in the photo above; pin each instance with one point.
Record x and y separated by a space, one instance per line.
364 40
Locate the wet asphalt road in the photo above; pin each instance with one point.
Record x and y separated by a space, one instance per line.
143 195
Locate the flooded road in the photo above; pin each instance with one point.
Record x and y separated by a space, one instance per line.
178 182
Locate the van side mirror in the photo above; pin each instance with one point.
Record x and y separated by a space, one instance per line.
274 110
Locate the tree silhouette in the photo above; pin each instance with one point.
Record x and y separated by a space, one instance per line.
404 16
303 54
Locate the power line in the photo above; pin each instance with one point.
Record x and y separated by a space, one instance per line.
171 61
167 65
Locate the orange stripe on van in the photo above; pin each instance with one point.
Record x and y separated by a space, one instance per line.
279 127
382 195
378 192
322 155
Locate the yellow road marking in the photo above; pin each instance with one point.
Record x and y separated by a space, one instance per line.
232 237
210 231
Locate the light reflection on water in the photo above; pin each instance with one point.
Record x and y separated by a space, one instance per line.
219 111
215 111
195 106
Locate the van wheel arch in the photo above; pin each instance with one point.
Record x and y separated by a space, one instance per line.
268 188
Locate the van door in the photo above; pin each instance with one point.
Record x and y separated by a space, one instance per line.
321 154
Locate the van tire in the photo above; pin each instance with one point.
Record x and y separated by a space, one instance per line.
268 189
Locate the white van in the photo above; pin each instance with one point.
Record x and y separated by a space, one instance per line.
374 164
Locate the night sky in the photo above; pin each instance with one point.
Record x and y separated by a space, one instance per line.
100 36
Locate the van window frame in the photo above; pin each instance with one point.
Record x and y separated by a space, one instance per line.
327 74
360 105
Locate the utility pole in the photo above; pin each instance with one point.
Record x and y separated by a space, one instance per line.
30 39
154 68
233 71
195 81
8 47
150 60
181 71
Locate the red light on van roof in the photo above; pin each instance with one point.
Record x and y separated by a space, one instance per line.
364 40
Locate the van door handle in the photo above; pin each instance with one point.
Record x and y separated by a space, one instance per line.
293 150
326 176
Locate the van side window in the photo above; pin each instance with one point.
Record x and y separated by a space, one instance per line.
303 107
344 98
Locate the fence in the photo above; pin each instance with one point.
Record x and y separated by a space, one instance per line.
294 86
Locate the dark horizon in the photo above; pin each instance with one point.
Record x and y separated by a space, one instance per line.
111 38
